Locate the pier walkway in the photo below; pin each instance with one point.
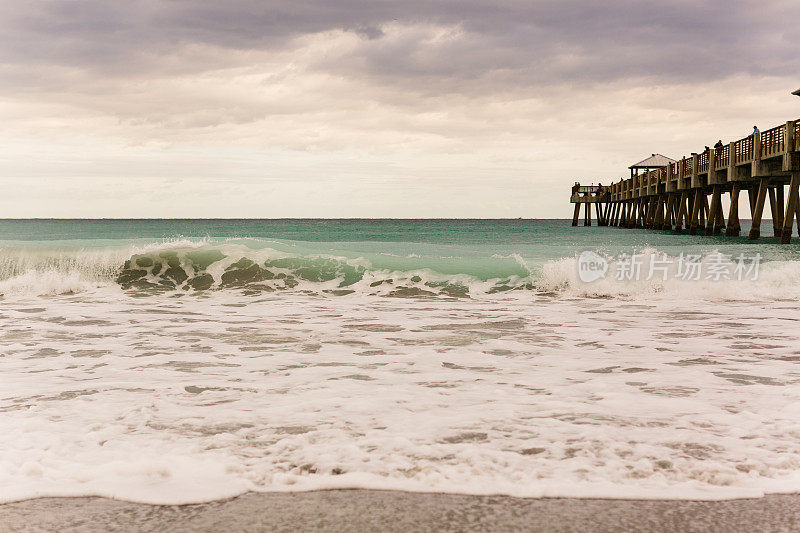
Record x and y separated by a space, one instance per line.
671 195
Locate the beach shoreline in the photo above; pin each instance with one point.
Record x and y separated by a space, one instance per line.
371 510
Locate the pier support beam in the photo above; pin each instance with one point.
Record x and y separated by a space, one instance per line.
791 209
634 213
752 194
695 212
650 213
642 212
719 223
666 224
711 223
676 208
682 213
634 218
797 213
576 214
758 208
658 216
733 228
704 211
776 209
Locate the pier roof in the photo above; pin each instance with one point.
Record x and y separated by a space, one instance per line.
654 161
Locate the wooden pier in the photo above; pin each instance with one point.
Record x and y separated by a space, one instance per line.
673 195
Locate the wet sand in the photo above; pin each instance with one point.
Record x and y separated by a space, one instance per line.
364 510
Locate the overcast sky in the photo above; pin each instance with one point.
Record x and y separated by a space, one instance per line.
351 108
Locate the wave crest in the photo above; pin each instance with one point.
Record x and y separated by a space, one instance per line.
256 268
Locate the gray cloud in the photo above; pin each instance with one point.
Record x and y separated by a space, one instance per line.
514 43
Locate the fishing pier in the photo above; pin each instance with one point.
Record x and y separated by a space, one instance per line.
665 194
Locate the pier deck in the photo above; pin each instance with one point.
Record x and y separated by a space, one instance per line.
676 195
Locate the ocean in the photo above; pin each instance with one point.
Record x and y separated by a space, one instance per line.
176 361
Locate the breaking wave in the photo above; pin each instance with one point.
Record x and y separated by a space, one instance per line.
255 267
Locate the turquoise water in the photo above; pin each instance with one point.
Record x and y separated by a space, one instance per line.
434 231
336 254
540 238
173 361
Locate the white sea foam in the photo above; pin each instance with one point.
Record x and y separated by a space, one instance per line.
775 280
181 397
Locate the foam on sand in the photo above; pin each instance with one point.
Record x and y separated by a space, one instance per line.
194 396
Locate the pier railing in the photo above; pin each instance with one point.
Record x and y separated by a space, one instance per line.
722 157
702 162
773 141
743 149
687 166
742 159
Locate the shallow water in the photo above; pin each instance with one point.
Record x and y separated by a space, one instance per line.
359 375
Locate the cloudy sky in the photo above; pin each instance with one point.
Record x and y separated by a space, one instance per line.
357 108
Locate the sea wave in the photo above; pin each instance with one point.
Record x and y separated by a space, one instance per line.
265 266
